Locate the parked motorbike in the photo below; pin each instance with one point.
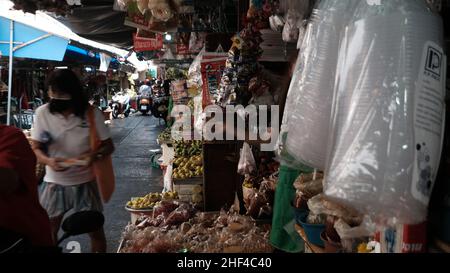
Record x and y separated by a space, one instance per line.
161 107
76 224
120 104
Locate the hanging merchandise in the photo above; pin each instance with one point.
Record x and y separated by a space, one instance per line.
247 164
312 89
277 23
212 70
161 10
388 113
194 81
105 60
178 92
121 5
197 42
290 29
142 5
135 18
302 27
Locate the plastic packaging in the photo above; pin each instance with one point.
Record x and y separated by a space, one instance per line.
197 42
313 87
121 5
195 71
388 113
164 207
312 188
276 23
247 164
142 5
290 29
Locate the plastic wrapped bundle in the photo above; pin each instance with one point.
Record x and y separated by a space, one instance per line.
312 86
388 111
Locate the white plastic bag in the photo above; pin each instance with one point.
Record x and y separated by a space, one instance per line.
168 186
247 164
195 71
276 23
121 5
290 30
197 42
142 5
346 232
389 108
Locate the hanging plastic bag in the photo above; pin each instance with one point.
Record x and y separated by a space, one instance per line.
290 30
302 26
247 164
121 5
313 85
142 5
195 72
389 110
197 42
168 186
276 23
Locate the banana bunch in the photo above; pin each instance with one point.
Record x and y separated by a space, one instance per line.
188 148
165 135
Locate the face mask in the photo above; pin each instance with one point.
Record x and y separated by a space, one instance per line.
59 106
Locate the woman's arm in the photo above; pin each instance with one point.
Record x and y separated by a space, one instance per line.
44 159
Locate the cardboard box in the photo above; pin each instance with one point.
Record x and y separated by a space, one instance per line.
404 239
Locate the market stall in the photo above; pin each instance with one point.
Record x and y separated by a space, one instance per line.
358 155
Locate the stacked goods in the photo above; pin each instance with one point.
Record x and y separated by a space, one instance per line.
242 62
165 136
177 229
187 167
188 148
188 161
150 200
389 110
190 193
188 171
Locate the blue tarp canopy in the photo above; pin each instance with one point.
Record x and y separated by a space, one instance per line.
29 42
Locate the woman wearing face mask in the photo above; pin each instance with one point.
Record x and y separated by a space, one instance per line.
61 132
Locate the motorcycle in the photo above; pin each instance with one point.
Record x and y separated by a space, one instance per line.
161 107
145 104
76 224
120 104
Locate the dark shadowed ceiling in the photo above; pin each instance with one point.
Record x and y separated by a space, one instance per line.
97 21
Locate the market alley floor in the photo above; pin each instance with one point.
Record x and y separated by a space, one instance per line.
134 138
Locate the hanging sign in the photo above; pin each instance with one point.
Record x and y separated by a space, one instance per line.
147 44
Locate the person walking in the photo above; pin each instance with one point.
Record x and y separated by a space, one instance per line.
61 134
20 211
